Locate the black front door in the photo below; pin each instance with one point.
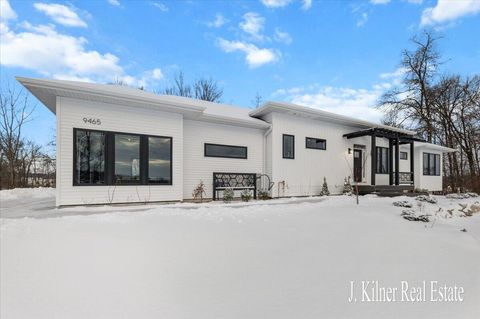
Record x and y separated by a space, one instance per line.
357 165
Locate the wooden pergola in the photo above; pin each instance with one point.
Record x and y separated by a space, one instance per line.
394 138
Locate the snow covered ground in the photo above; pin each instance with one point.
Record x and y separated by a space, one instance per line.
291 258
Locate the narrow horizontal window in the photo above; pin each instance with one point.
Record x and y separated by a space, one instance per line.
89 157
431 164
227 151
315 143
403 155
288 146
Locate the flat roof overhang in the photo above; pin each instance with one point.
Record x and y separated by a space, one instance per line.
385 133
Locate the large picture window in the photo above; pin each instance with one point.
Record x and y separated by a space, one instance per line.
127 159
89 168
382 160
111 158
431 164
228 151
288 146
159 160
315 143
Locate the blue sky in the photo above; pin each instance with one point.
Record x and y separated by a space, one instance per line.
335 55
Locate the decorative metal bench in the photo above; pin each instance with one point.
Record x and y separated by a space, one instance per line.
235 181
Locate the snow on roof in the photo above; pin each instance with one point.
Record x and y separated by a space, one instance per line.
46 90
296 109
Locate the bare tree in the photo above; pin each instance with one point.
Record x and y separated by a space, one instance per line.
413 101
202 89
15 111
207 90
444 109
179 88
257 100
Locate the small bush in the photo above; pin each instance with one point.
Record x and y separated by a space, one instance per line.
199 191
347 186
263 195
325 191
246 195
227 195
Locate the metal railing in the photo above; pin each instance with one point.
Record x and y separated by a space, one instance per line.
405 177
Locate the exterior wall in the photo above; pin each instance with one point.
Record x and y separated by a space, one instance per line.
303 175
198 168
70 113
404 165
431 183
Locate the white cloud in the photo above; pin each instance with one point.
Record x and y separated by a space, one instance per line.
275 3
253 24
283 37
358 103
254 56
447 11
162 7
6 11
61 14
353 102
379 1
218 22
415 1
41 48
114 2
363 19
307 4
398 73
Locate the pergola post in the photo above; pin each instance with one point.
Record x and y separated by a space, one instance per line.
374 157
397 161
390 161
412 161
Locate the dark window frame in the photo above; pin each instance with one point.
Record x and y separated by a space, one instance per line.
147 157
316 139
427 168
224 145
109 150
380 159
283 146
405 157
74 168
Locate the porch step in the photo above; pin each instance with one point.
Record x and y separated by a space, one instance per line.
385 190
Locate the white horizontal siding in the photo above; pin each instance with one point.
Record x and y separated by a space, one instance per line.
304 175
118 118
198 168
431 183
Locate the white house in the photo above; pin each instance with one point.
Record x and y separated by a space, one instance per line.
117 144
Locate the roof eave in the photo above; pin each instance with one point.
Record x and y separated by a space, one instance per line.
32 84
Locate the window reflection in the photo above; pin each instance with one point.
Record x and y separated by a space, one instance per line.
127 158
159 160
90 157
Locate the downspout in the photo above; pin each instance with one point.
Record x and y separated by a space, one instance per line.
265 135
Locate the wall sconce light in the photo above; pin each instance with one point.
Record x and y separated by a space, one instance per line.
349 150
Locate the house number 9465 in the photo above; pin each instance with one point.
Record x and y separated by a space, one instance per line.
92 121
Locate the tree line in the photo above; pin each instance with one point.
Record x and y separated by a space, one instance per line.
443 108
